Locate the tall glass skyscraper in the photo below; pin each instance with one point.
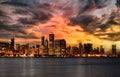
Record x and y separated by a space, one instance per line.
51 44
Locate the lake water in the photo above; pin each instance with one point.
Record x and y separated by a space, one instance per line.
59 67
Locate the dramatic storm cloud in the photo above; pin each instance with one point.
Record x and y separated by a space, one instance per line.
74 20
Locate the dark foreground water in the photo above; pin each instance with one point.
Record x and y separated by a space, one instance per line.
58 67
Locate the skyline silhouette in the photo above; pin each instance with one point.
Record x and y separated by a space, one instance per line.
53 47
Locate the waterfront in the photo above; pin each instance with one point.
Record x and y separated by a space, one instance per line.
59 67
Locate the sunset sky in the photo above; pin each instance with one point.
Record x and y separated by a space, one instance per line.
86 21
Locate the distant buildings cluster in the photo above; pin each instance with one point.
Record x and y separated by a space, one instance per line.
4 46
52 47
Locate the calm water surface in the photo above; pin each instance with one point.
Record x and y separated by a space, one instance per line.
58 67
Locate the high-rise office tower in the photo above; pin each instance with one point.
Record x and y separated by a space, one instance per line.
42 40
51 44
102 50
88 48
12 44
46 47
80 48
46 43
51 40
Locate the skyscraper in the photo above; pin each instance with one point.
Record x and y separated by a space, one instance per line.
57 47
88 48
12 44
46 43
46 47
42 40
63 46
102 50
51 44
80 48
60 47
51 40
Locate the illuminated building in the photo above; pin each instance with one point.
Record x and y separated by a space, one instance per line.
51 40
75 50
88 48
51 44
68 51
46 47
24 47
57 48
7 45
4 46
46 43
60 47
63 46
18 47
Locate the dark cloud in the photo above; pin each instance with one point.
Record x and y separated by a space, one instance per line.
101 3
3 15
12 28
118 3
35 16
85 21
90 5
21 11
26 21
14 3
39 13
87 6
30 9
26 13
18 31
90 23
85 18
41 16
112 21
5 35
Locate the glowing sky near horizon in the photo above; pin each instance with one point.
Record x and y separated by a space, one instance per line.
86 21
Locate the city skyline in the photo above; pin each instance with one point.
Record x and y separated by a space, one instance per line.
86 21
53 47
52 43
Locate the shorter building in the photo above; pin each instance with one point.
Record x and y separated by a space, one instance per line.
60 47
4 46
88 48
114 50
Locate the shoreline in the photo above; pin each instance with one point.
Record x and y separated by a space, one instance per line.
64 57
